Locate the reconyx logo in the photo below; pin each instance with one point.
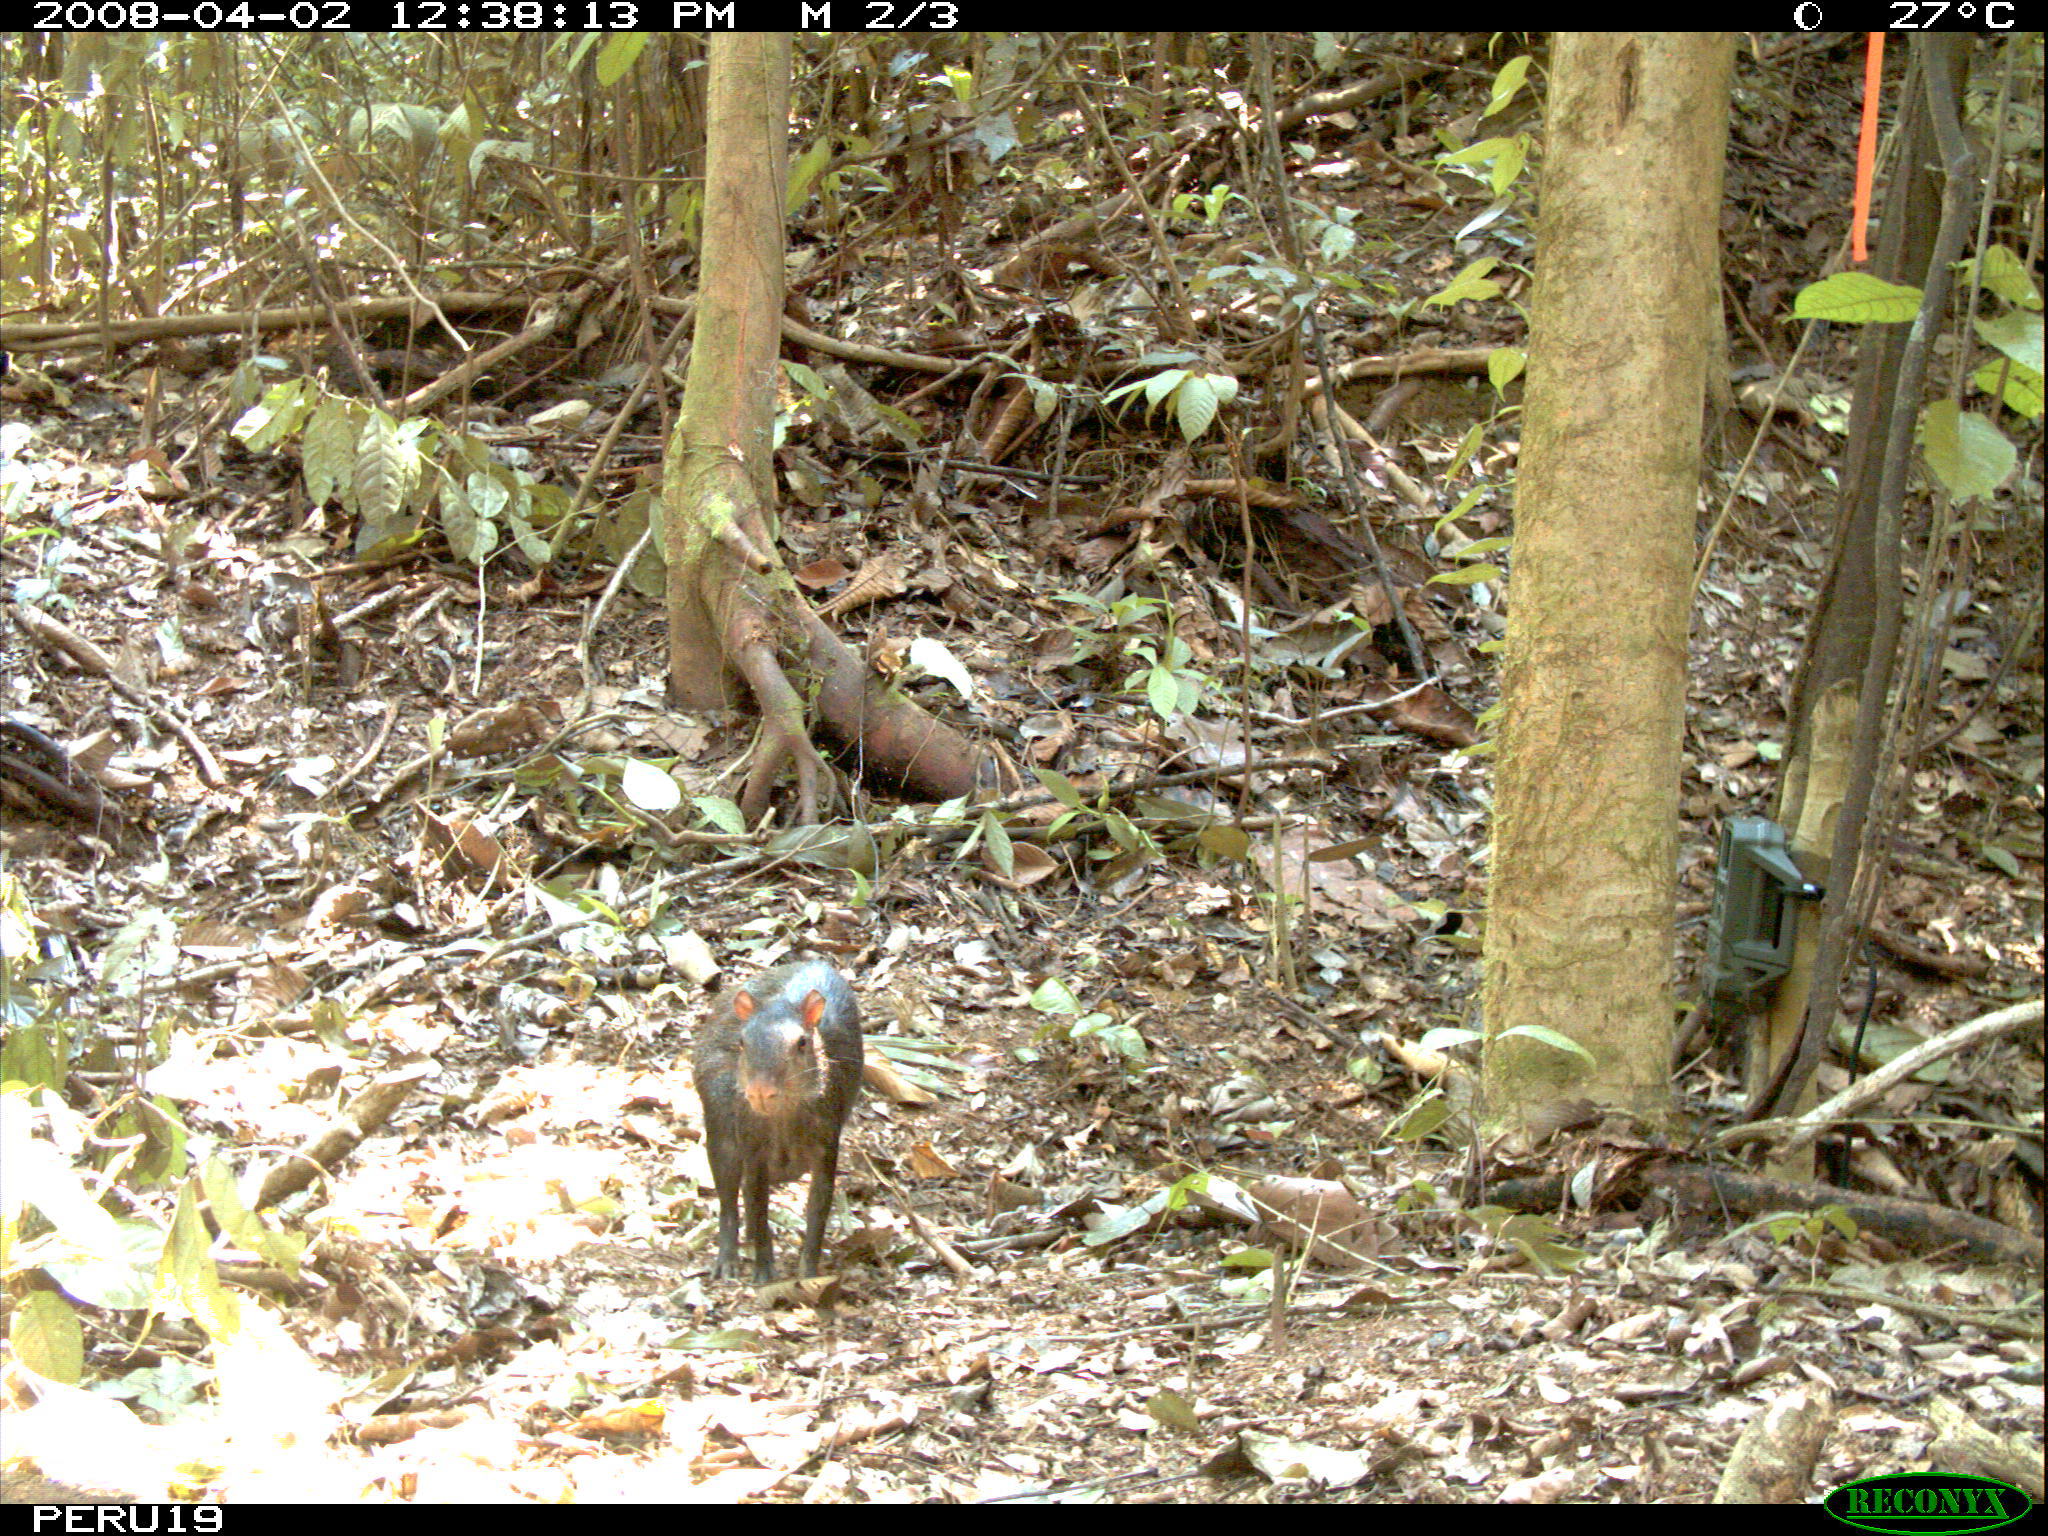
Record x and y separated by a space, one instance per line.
1924 1502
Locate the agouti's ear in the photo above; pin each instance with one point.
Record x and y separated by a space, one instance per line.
743 1006
814 1009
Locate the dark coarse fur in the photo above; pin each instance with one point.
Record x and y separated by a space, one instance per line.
776 1093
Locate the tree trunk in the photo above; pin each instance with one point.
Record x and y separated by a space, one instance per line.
1585 844
1854 633
733 610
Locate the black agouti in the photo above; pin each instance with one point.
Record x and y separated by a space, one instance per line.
777 1066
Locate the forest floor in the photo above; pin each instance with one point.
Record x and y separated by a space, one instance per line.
505 1292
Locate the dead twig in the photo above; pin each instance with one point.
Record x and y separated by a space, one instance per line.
88 657
1798 1131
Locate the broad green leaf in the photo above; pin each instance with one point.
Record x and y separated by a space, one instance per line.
1197 407
1856 298
620 53
2006 275
999 848
1162 691
804 170
1967 454
47 1337
720 812
1472 283
1506 83
1054 996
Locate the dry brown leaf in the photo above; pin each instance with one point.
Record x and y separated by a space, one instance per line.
879 1077
507 728
820 574
1296 1210
874 581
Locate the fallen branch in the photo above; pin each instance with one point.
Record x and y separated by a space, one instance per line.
1798 1131
90 658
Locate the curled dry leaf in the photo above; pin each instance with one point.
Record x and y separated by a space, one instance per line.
1029 864
1324 1218
820 574
456 843
339 904
874 581
507 728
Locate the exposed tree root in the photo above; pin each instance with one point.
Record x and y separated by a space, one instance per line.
767 631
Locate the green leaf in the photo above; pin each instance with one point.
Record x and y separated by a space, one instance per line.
1126 833
2006 275
1162 692
620 53
1856 298
720 812
2000 858
1423 1119
812 383
47 1336
1055 996
1468 576
1551 1038
327 451
244 1227
2019 388
1448 1037
538 551
2017 334
1968 455
1121 391
1161 386
999 848
1506 83
1467 446
1060 788
1508 165
487 494
1121 1038
1472 283
804 170
1196 401
470 537
380 479
1114 1224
